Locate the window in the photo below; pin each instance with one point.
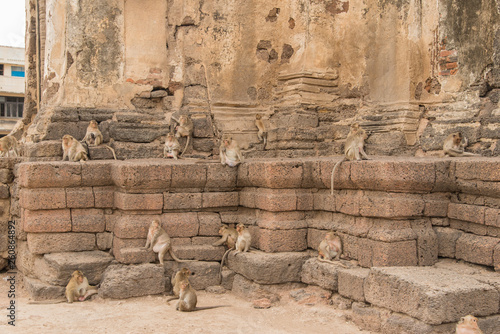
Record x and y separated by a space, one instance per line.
17 71
11 107
1 69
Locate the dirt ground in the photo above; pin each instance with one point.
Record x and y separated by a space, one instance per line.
151 314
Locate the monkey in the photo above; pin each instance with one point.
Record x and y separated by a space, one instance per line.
229 237
94 137
73 149
172 147
187 297
244 239
262 134
159 241
7 144
78 288
181 275
230 153
184 129
468 325
454 146
353 148
330 247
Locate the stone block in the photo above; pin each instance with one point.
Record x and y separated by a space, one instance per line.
4 191
125 201
389 230
87 220
348 202
50 174
42 243
492 217
227 279
182 224
49 221
203 240
220 178
220 199
203 274
342 181
373 253
247 197
209 223
134 255
6 175
268 268
390 205
314 237
181 201
369 318
25 260
351 283
275 174
324 201
311 174
436 205
464 212
496 258
97 173
478 169
276 199
146 174
56 268
447 241
80 197
104 197
42 199
282 240
198 252
104 240
398 323
133 226
39 290
241 215
427 242
321 274
189 175
476 249
416 292
126 281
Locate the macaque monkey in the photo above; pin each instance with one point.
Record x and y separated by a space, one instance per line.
353 147
468 325
159 241
244 239
172 147
262 134
73 149
330 248
7 144
187 297
230 153
454 146
229 237
78 288
93 137
181 275
184 129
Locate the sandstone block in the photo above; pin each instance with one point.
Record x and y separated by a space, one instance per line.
189 175
133 226
209 223
4 191
127 201
97 173
104 197
464 212
447 241
241 215
275 174
119 243
348 202
25 260
220 199
87 220
314 237
179 201
368 317
104 240
351 283
282 240
389 205
183 224
203 274
43 291
247 197
198 252
476 249
417 291
126 281
6 175
321 274
42 243
150 174
478 169
492 217
427 242
227 279
134 255
42 199
80 197
436 205
389 230
268 268
403 324
56 268
220 178
276 199
373 253
496 258
342 181
203 240
49 221
323 200
50 174
311 175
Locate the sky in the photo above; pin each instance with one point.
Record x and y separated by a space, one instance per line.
12 22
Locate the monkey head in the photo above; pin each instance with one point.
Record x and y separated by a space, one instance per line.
258 116
93 124
457 138
78 275
240 227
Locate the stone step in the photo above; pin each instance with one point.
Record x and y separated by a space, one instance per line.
134 255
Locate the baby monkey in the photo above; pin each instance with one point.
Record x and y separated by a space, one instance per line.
187 297
262 134
353 148
172 147
468 325
228 237
230 153
73 149
330 248
94 137
184 129
79 288
454 146
7 144
180 276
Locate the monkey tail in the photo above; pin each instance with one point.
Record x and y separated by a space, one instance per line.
185 147
47 302
223 258
209 307
111 149
333 174
176 258
170 299
332 262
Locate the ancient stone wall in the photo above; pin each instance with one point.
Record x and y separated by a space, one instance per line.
409 71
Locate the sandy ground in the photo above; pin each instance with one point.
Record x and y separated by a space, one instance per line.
151 314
